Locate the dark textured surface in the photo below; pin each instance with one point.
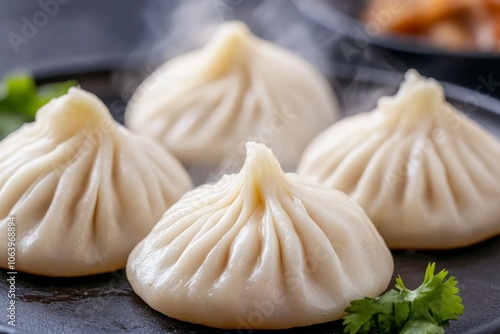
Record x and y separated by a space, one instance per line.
106 303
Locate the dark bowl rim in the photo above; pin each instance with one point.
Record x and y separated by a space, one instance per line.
383 77
342 71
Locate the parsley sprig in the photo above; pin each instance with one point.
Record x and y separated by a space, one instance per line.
425 310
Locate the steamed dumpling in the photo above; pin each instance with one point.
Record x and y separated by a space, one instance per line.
425 174
205 105
260 249
83 189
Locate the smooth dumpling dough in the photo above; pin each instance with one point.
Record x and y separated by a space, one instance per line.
426 175
83 189
205 105
260 249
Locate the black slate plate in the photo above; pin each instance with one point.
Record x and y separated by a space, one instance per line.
106 303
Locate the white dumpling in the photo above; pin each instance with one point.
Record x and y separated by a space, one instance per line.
205 105
425 174
83 189
260 249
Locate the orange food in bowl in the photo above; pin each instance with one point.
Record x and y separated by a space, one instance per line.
450 24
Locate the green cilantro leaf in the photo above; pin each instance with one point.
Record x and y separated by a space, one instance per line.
423 310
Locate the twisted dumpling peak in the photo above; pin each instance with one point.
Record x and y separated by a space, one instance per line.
426 95
74 112
227 47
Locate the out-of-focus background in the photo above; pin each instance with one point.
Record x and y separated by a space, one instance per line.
50 36
64 34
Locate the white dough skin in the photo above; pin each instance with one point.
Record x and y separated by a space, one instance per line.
205 105
83 189
426 175
260 249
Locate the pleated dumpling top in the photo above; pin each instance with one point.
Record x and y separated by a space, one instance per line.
426 175
205 105
82 189
260 249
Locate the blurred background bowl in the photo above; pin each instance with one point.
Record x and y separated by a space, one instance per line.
355 43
